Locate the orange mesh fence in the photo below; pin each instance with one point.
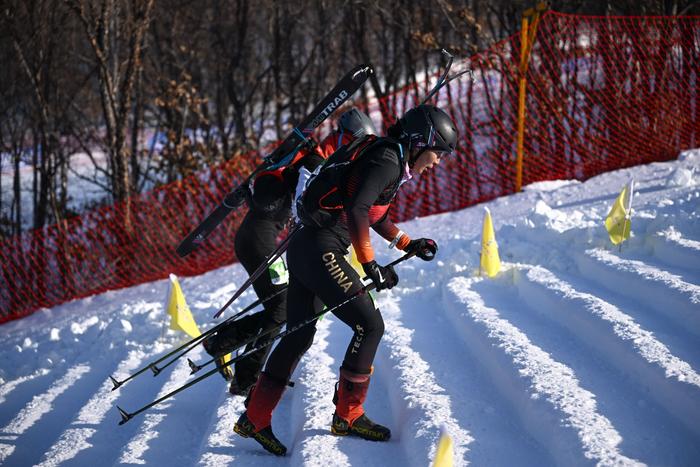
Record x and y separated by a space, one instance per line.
602 93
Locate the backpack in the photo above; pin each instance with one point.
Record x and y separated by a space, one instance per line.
269 190
321 202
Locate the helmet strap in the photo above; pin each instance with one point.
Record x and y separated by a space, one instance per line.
412 158
340 136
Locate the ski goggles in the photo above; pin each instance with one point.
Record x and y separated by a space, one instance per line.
430 145
440 152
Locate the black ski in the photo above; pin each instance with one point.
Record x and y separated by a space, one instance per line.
281 156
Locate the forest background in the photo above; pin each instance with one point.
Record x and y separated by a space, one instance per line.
149 92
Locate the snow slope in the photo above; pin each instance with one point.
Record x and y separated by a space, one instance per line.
576 354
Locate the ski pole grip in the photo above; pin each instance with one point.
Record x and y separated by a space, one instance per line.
393 263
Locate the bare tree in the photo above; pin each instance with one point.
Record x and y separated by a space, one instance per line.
167 88
35 31
115 30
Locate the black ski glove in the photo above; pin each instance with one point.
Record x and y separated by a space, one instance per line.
384 277
424 248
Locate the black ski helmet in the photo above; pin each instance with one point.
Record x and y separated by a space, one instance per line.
427 127
356 123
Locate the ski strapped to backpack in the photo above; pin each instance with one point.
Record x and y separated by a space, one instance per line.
283 155
323 200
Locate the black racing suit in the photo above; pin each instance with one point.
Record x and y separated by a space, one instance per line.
320 274
269 210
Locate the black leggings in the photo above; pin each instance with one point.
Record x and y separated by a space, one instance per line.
319 274
255 240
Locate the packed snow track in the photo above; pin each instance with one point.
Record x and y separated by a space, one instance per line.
577 353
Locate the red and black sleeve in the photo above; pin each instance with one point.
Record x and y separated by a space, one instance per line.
388 230
376 172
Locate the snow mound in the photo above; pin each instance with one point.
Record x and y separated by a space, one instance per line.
577 353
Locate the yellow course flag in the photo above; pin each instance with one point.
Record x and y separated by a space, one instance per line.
490 261
180 314
444 454
619 220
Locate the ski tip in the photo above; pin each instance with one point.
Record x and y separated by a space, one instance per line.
154 369
115 382
362 73
183 250
125 415
193 366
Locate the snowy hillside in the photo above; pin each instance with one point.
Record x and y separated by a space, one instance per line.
576 354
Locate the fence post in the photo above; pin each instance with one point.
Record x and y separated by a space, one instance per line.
527 38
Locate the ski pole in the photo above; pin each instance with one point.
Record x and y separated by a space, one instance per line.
230 320
194 342
157 370
443 80
266 264
126 416
153 366
195 367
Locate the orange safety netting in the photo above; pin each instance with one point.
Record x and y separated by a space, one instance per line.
602 93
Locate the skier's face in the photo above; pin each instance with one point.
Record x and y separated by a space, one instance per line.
426 160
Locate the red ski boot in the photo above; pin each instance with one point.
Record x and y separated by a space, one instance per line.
349 417
256 422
